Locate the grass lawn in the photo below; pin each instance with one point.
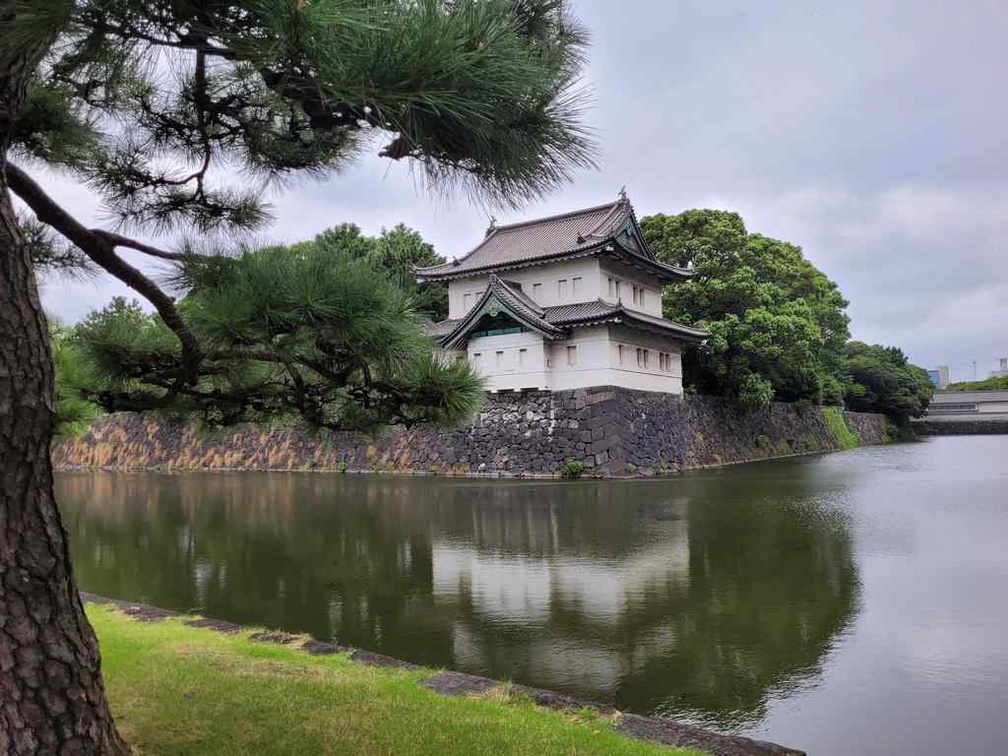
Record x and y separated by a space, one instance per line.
181 690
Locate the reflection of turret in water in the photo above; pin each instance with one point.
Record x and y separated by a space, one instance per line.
703 593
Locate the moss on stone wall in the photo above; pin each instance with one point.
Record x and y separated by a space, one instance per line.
846 436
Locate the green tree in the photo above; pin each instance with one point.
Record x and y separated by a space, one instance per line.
153 104
74 411
777 323
397 251
885 381
994 383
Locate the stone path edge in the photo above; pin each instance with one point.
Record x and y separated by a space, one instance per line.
653 729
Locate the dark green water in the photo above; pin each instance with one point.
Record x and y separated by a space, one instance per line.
854 602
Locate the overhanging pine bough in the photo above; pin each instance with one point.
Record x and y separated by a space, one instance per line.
147 101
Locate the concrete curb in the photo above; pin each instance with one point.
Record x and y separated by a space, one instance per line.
654 729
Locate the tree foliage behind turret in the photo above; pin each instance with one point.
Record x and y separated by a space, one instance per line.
883 380
397 251
777 324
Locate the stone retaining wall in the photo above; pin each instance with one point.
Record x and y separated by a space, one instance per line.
960 427
612 431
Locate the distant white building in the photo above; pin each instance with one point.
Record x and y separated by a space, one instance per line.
569 301
968 405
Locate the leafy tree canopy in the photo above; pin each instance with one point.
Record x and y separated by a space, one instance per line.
995 383
74 411
396 251
777 324
307 331
883 380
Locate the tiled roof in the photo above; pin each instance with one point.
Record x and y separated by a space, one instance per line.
584 313
581 311
552 321
514 301
442 327
544 239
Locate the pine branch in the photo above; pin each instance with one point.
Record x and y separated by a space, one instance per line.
118 240
102 252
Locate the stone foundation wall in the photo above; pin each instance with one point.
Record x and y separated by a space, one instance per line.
963 427
613 431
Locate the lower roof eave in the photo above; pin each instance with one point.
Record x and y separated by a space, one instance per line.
675 330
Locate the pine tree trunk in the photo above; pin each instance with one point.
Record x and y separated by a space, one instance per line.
52 699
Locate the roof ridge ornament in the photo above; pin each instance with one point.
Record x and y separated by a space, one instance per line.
493 225
622 194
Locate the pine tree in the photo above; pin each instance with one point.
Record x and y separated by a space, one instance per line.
154 104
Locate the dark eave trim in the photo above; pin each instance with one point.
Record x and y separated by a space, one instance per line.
514 265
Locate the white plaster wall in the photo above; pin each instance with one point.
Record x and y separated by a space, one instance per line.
652 290
547 294
592 359
598 360
544 364
992 407
511 375
652 378
458 304
593 284
585 269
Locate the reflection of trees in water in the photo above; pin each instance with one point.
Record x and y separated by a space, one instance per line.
698 594
773 583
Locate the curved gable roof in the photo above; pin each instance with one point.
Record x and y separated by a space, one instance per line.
501 297
557 236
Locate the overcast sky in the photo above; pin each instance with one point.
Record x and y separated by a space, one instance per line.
873 134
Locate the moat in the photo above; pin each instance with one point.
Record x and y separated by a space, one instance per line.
840 603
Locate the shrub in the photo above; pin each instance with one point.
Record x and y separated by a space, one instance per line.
803 405
573 468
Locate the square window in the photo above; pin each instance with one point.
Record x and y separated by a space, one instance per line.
521 357
466 301
619 353
575 286
610 287
645 357
562 289
618 297
572 355
635 294
537 292
500 360
640 357
640 296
